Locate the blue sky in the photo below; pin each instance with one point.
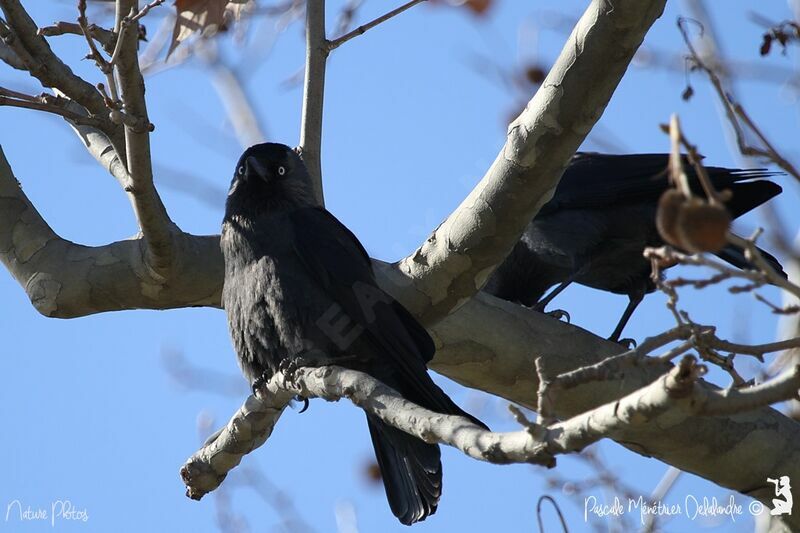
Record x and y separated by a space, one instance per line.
90 412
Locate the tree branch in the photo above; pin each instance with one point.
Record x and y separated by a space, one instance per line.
64 279
23 38
675 394
361 30
455 261
737 116
106 38
313 94
9 56
157 228
48 104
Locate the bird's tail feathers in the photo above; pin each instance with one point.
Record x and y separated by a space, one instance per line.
411 470
736 256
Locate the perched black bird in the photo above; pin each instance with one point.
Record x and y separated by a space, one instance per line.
300 291
598 223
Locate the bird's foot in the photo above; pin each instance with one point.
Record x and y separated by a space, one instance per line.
288 367
310 359
261 381
558 314
628 343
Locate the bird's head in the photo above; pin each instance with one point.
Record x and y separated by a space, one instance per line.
269 177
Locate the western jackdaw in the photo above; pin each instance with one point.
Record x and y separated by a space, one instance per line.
598 223
300 291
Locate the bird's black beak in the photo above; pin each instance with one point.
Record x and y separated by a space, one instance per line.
257 167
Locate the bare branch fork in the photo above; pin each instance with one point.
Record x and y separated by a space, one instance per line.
106 38
676 393
157 228
318 47
128 110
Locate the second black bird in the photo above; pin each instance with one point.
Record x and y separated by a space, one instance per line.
300 290
598 223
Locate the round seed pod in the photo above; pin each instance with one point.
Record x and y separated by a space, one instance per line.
703 227
669 206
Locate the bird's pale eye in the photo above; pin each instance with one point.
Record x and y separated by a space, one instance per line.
281 171
240 170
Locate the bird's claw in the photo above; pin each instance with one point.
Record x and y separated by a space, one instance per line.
628 343
289 367
260 381
558 314
305 401
538 307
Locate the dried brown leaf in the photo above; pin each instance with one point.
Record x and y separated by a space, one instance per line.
204 17
479 7
766 44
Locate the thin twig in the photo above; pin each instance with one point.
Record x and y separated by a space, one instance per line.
607 368
677 173
753 254
758 278
105 67
736 113
336 43
105 37
144 11
30 102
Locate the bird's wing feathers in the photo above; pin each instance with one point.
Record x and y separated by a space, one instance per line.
600 180
339 264
335 257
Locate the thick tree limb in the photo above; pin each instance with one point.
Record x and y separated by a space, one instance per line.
10 57
676 394
64 279
455 261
